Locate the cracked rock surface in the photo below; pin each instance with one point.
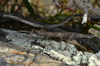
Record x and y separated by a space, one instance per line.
23 56
16 52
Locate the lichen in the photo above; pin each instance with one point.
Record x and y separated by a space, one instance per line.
55 49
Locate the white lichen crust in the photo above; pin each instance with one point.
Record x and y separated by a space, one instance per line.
55 49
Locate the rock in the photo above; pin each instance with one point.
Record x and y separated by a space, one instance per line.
63 64
98 55
17 55
88 55
44 59
2 62
65 52
58 56
95 32
93 61
84 60
77 59
52 53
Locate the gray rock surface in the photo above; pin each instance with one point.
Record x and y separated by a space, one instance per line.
53 53
2 62
23 56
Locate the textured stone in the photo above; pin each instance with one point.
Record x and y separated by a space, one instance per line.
52 54
44 58
93 61
23 56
